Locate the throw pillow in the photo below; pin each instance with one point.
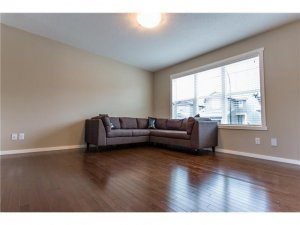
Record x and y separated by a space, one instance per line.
112 126
151 122
116 122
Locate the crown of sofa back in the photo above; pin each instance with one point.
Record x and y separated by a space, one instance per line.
142 123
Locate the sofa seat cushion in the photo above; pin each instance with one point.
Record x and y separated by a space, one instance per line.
140 132
170 134
119 133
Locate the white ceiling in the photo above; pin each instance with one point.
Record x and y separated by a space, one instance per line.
180 37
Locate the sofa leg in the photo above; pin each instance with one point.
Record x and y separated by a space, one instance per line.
87 146
213 149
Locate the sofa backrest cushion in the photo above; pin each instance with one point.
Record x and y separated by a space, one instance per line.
184 124
142 123
174 124
128 123
106 123
190 125
116 122
161 124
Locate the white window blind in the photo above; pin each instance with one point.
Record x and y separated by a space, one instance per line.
229 92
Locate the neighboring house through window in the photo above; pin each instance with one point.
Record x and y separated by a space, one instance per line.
230 91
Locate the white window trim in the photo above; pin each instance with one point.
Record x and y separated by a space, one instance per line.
244 56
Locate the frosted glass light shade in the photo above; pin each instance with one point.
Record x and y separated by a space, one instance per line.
149 20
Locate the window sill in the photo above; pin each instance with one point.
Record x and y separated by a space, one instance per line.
239 127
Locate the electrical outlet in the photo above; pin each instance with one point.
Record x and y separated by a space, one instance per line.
274 142
14 136
21 136
257 140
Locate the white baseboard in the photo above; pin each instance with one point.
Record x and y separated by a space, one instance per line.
258 156
19 151
247 154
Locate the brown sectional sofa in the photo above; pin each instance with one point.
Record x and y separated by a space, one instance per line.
192 133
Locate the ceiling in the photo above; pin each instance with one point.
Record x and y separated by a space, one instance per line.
181 36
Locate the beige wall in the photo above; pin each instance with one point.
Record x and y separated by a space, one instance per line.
282 90
0 89
48 89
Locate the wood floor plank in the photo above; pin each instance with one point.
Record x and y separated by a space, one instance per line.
146 179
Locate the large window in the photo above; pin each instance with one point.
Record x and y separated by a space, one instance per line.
229 91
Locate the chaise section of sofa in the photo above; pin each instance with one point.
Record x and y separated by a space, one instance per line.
195 134
190 133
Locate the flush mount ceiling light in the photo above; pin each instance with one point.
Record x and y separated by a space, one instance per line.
148 20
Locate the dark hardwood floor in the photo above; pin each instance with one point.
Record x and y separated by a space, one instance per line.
143 179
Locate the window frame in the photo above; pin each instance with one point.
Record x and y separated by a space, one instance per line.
257 52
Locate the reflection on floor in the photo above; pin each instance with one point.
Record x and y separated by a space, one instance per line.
146 179
214 193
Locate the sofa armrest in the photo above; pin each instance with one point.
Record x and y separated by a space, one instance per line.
204 134
95 132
